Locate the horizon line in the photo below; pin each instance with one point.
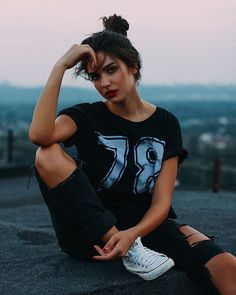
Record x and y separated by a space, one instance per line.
201 84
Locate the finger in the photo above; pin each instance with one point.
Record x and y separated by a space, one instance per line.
110 244
99 250
114 254
92 54
92 63
93 60
102 258
110 256
93 57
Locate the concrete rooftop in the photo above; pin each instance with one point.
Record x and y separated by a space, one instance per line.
32 263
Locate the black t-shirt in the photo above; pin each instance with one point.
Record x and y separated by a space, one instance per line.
120 156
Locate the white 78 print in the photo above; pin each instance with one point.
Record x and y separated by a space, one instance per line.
147 154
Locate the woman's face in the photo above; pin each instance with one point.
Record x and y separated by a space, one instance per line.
112 78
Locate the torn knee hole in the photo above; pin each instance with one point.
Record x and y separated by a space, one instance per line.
193 236
195 239
187 230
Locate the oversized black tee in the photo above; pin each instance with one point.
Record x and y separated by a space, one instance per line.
119 156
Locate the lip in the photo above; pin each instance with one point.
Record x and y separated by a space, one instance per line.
111 93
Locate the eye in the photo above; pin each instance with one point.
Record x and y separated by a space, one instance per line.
111 69
93 77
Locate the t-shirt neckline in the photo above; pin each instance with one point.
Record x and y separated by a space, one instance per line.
121 119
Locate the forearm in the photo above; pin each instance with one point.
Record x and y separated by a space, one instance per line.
44 116
161 199
43 121
155 215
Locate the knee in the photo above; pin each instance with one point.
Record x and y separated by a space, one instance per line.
193 236
48 158
222 269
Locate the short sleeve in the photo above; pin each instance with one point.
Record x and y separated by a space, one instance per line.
174 144
77 114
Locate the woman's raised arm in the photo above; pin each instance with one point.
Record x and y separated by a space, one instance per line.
44 130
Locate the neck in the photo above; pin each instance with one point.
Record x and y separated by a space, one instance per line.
130 107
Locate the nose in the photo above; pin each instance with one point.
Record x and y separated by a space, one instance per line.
105 81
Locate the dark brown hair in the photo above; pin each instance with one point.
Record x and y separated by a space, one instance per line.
112 40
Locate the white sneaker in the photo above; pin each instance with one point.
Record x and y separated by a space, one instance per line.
146 263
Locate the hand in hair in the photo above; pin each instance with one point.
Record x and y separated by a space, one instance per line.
75 54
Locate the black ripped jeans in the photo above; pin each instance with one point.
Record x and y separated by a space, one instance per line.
81 216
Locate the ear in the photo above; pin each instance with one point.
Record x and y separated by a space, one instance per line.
134 70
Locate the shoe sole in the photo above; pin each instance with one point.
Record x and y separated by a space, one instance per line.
155 273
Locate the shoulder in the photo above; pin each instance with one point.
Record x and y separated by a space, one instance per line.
167 116
82 108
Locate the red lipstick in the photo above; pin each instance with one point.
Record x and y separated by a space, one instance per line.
110 93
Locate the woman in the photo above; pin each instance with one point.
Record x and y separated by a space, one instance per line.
120 187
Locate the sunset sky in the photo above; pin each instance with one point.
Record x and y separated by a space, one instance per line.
181 41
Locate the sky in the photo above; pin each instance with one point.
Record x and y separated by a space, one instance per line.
180 41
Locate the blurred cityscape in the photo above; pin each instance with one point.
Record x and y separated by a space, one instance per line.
207 115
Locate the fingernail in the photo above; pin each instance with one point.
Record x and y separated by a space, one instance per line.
105 249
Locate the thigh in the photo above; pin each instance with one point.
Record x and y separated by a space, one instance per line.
70 238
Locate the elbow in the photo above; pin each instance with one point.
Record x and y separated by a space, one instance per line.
166 214
34 137
38 139
166 210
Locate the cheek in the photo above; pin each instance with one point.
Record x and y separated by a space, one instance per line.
118 76
129 81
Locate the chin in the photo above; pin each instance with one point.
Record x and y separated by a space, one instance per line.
117 100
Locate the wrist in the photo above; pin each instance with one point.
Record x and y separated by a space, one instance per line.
60 66
134 232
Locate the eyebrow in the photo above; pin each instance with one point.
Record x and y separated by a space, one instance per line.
104 68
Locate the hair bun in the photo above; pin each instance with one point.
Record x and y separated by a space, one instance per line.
116 24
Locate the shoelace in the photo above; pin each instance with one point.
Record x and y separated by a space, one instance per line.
143 256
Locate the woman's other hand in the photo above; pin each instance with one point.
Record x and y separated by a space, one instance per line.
75 54
116 247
